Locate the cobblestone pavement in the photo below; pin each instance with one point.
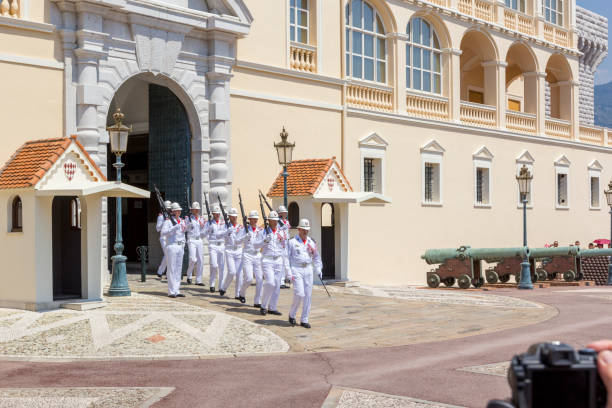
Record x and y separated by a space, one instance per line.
373 316
349 398
140 326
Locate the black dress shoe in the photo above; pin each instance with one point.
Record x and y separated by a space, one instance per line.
159 276
189 281
257 305
212 289
172 296
305 325
275 312
292 321
200 284
236 297
221 292
263 311
283 286
180 295
242 299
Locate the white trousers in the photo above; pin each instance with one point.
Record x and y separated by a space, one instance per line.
174 253
273 275
196 259
233 259
217 262
302 292
164 263
251 267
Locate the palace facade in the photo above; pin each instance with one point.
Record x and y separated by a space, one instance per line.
411 118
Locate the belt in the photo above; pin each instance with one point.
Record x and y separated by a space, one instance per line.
274 258
251 251
216 242
195 239
303 264
232 247
177 243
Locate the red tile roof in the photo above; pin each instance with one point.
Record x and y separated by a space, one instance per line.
32 161
305 176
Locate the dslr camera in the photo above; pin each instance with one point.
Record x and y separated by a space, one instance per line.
554 375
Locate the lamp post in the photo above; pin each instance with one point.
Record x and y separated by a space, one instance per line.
284 150
118 134
608 194
524 181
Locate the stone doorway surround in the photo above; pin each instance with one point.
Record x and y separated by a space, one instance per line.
189 50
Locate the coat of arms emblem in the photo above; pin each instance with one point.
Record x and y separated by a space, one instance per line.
69 169
330 183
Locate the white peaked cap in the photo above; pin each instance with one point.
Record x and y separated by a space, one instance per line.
233 212
195 206
167 204
282 209
215 209
176 207
254 214
304 224
273 216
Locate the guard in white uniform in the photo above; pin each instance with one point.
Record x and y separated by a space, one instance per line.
273 246
175 248
283 225
162 240
304 257
251 260
233 255
215 231
195 227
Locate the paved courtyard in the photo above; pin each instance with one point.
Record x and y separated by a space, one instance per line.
369 346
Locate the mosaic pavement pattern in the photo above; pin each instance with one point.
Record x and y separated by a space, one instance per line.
350 398
86 397
498 369
140 326
439 296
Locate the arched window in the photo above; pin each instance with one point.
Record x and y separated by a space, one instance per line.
366 47
298 21
16 215
294 214
423 57
75 213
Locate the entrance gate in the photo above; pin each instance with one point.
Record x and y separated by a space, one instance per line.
66 243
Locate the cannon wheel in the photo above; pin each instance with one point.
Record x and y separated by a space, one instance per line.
580 276
504 278
492 276
569 276
542 274
478 282
448 282
433 280
553 276
464 282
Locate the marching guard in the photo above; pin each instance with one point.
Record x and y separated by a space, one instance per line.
162 240
251 260
215 231
273 246
304 258
195 226
233 255
175 248
285 226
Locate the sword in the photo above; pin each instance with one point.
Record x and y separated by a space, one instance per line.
325 287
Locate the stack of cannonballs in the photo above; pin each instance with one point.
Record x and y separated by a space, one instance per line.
595 269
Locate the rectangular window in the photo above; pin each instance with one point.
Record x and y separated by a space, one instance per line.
553 11
562 190
298 21
514 105
518 5
482 186
432 182
476 97
594 192
368 175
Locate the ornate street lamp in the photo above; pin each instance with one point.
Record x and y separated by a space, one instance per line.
608 194
524 181
284 150
118 134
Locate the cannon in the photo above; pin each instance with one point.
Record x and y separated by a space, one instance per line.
556 261
464 264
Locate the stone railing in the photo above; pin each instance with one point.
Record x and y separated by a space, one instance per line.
369 97
427 106
303 57
442 3
482 9
519 22
478 115
521 122
556 35
592 134
10 8
559 128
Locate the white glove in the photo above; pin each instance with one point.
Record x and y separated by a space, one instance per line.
267 239
320 274
229 232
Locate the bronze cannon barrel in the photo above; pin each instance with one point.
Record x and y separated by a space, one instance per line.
497 254
589 253
441 255
553 251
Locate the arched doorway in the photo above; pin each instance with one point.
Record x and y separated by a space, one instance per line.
158 154
66 244
328 244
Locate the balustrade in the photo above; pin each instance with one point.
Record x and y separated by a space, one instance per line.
10 8
303 58
482 9
592 134
370 97
556 35
519 22
558 128
521 122
478 115
425 106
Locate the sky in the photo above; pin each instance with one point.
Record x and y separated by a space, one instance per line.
603 7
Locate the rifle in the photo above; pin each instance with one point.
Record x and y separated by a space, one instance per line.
265 200
207 208
263 213
162 207
244 218
225 217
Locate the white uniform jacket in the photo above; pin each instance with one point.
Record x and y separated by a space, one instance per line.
195 227
174 234
158 228
248 238
303 254
234 237
273 244
215 232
